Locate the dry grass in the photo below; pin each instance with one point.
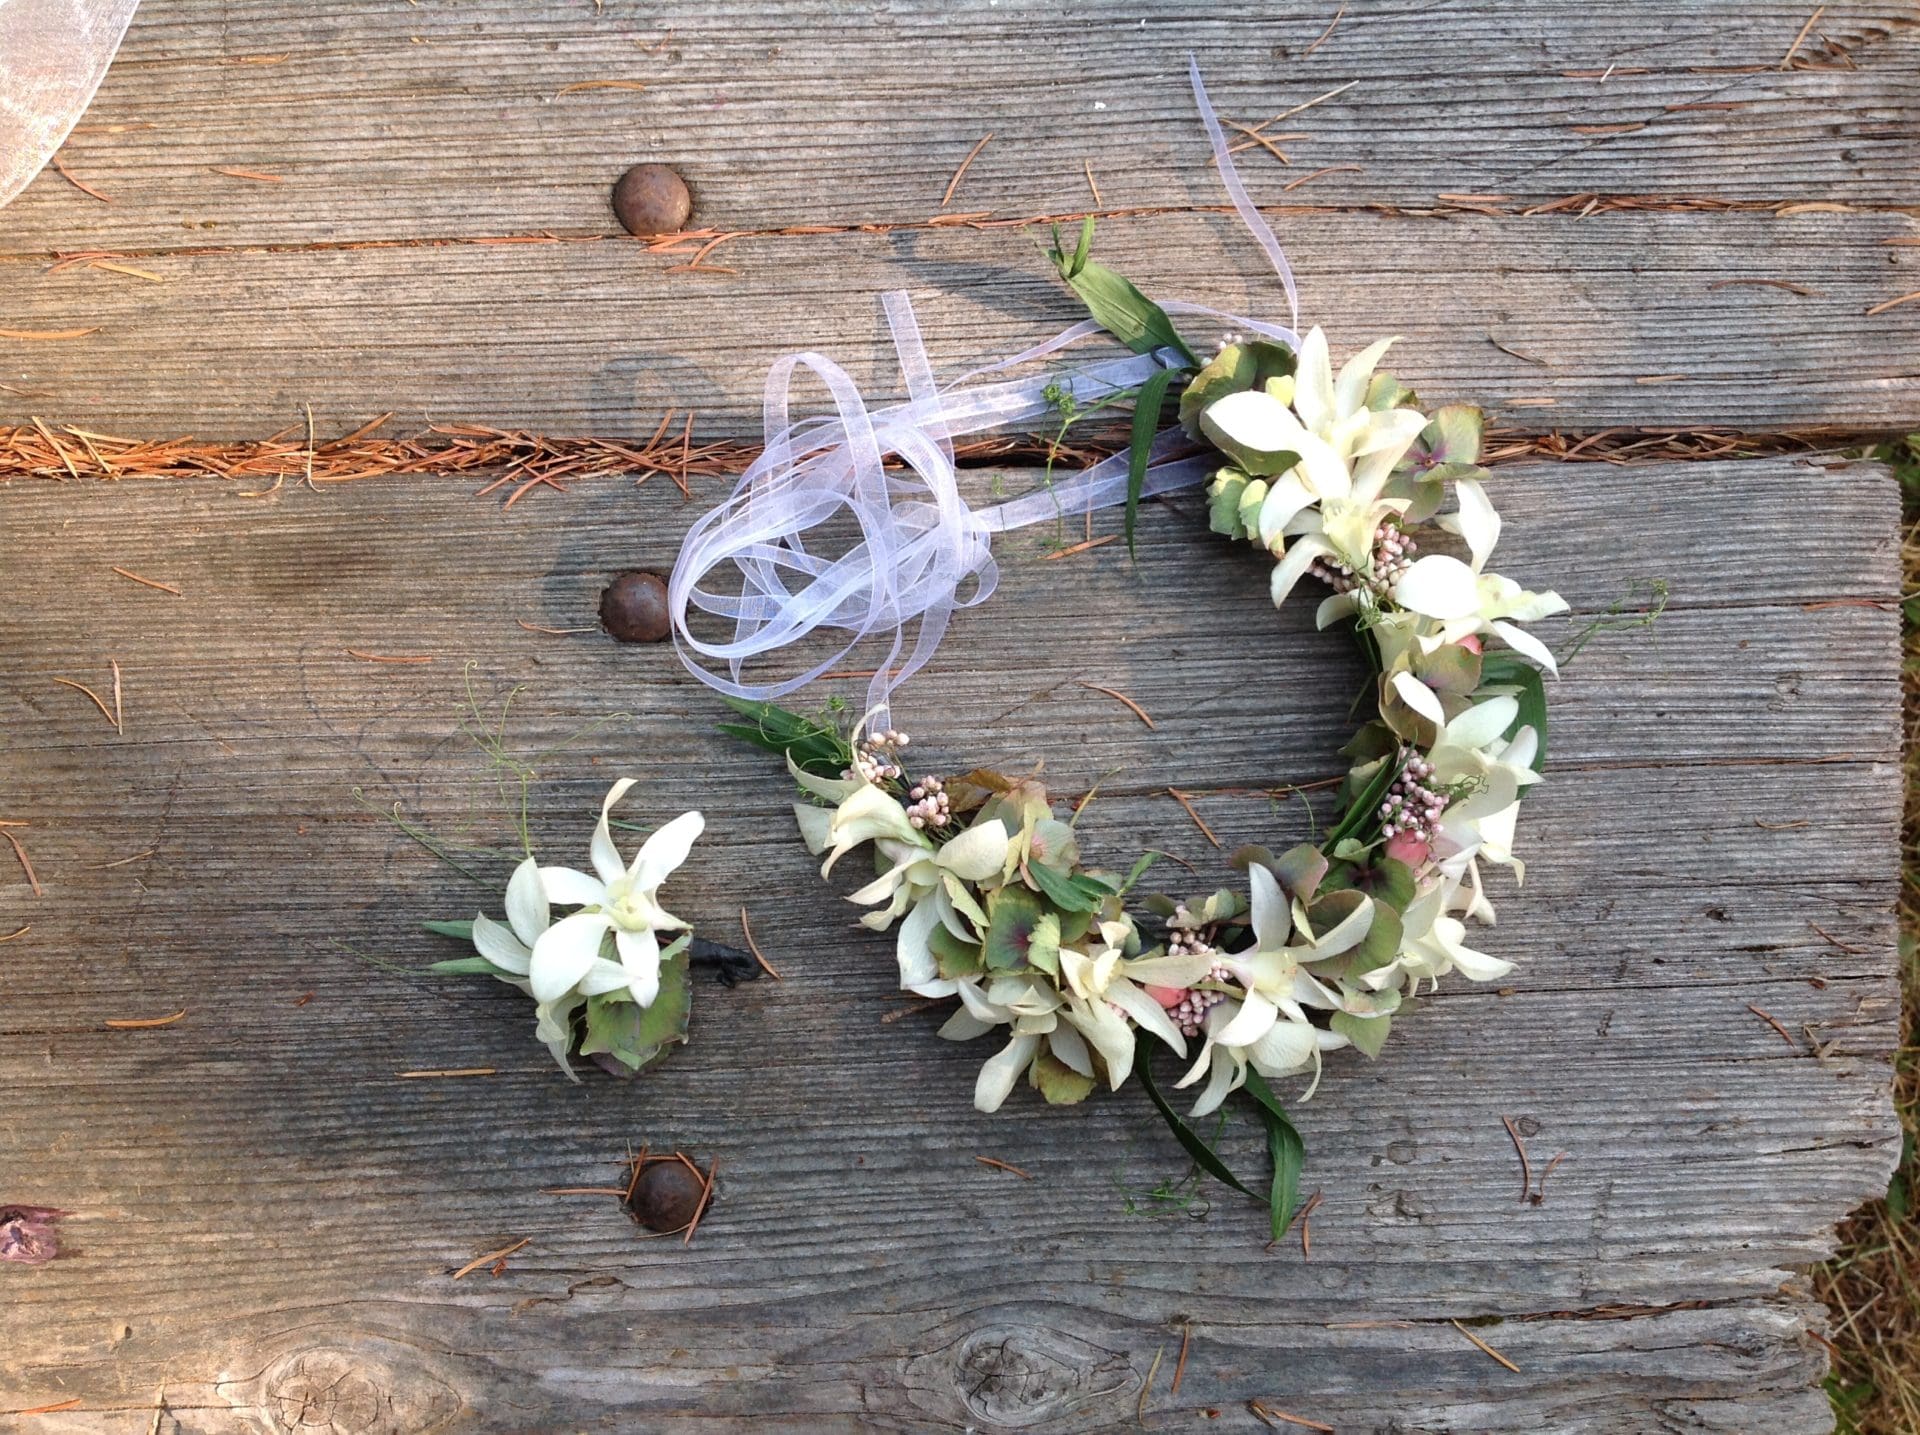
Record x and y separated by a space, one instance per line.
1873 1282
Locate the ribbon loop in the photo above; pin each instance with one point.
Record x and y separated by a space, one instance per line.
918 541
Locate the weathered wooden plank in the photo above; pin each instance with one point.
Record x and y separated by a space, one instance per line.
1623 319
440 121
266 1217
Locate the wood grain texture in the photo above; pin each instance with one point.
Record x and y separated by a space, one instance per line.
266 1218
442 120
1618 318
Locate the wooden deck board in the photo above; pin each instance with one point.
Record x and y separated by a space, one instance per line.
1552 323
403 121
266 1218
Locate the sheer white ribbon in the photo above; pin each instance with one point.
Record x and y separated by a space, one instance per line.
919 542
53 55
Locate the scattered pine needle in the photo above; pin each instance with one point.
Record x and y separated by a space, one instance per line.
384 657
72 1404
1180 1365
25 866
252 174
1305 1218
1004 1166
1542 1196
1785 284
105 711
145 1023
119 716
127 269
961 172
706 1197
1337 17
12 936
1087 165
77 183
1484 1346
1330 169
893 1016
1526 1166
1146 1387
1100 542
620 1191
556 632
1180 797
38 335
1122 698
576 87
754 947
1267 1414
1786 60
151 583
125 861
491 1256
1834 941
1773 1021
450 1071
1892 304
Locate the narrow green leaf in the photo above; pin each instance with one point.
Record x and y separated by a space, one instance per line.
465 967
1506 670
1085 245
1202 1154
1364 810
1146 423
1137 871
462 930
1289 1154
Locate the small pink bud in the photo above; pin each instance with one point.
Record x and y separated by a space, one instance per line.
1473 644
1168 997
1410 848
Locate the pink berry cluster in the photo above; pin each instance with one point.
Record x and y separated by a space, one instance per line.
1393 550
1191 1013
1186 937
928 805
1411 807
876 757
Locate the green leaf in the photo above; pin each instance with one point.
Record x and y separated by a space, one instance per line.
1288 1151
1367 1033
1202 1154
638 1036
1059 1083
1363 811
1012 915
1061 889
461 930
815 746
466 967
1136 872
1116 306
954 957
1235 369
1146 423
1223 503
1506 670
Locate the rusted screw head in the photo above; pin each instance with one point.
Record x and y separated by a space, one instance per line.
667 1196
634 608
651 199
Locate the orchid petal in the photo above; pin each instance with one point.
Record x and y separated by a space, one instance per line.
564 953
1477 522
1524 643
1271 917
1418 696
1250 1023
1290 569
1438 586
1001 1071
1313 381
499 945
665 850
976 854
572 888
640 959
1350 389
527 910
606 857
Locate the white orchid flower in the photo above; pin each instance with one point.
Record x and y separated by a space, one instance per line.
1434 944
1032 1008
618 899
1463 598
509 947
1268 1028
1107 974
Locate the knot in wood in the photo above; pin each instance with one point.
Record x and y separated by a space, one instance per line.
337 1392
1018 1376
